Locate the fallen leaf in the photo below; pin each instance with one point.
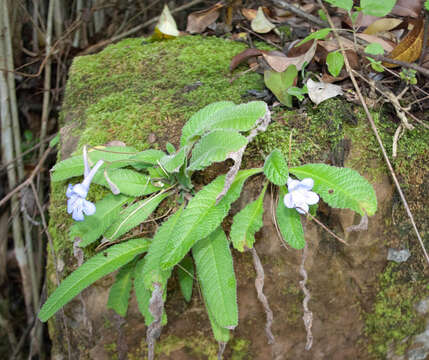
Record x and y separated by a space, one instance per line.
386 45
319 91
260 24
381 25
166 27
199 20
243 56
280 62
249 14
409 8
410 48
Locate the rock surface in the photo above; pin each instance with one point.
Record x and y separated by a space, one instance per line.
142 94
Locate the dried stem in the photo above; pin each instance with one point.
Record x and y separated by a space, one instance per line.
308 315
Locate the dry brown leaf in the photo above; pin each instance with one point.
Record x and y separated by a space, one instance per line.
387 45
410 8
199 20
410 48
243 56
381 25
249 14
361 21
320 91
280 62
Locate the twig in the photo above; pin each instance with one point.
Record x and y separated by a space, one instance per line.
374 128
308 315
326 228
29 180
259 285
135 29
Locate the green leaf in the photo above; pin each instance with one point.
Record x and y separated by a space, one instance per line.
220 333
173 163
427 5
119 294
275 168
280 82
55 140
129 182
340 187
92 270
215 147
215 272
186 277
115 157
197 124
289 223
298 92
170 148
374 49
143 294
376 7
134 215
343 4
145 158
202 216
335 62
317 35
246 223
92 227
152 271
225 115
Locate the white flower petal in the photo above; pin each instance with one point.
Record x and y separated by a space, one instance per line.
88 207
311 198
302 208
288 201
292 185
307 183
77 214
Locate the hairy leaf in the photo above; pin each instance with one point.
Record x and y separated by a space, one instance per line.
134 215
92 227
202 216
186 277
91 271
340 187
247 222
142 293
172 163
114 157
129 182
220 333
119 294
289 223
146 158
215 147
197 124
215 271
152 271
275 168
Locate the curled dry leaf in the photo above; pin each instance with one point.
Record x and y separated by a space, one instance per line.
409 8
382 25
166 27
319 91
280 62
260 24
199 20
410 48
243 56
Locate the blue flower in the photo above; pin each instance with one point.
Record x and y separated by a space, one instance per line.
77 205
300 196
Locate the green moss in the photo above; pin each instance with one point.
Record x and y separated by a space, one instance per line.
394 318
240 349
111 349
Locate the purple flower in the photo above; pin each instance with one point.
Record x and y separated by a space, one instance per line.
300 196
77 205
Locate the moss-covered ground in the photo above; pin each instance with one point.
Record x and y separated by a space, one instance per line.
142 93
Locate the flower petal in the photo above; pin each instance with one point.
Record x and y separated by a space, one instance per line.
88 207
311 198
288 201
77 214
307 183
302 208
69 191
292 184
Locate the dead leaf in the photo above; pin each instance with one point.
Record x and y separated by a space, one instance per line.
386 45
410 48
199 20
280 62
362 20
319 91
243 56
382 25
409 8
260 24
249 14
166 27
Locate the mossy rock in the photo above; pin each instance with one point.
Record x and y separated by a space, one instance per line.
141 94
